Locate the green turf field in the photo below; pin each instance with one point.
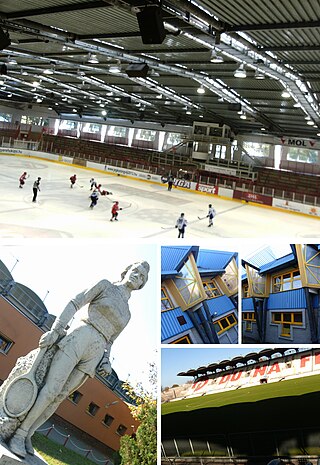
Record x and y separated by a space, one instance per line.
285 388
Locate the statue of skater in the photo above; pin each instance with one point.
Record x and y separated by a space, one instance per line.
82 348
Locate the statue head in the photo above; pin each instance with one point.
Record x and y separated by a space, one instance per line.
136 275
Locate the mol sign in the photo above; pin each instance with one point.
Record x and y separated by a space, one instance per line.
304 143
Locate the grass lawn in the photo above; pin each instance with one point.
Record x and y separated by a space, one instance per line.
293 387
57 454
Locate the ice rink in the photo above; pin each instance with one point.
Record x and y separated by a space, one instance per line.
149 210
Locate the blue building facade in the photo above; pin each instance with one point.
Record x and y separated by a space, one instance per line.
199 291
280 297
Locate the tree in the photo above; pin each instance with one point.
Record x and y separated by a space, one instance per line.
141 447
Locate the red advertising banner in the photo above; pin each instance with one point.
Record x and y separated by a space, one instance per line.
207 189
252 197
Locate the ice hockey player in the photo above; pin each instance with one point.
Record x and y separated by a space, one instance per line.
94 198
211 214
170 182
92 183
36 189
114 211
181 225
73 180
22 179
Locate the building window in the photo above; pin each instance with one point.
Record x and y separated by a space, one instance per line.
287 320
121 430
5 344
182 340
75 397
225 323
166 303
286 281
108 420
248 318
92 409
211 289
188 283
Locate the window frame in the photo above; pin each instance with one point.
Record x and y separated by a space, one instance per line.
284 281
8 344
211 287
178 341
286 325
225 319
166 298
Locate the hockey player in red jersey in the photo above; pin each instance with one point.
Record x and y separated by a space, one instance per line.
114 211
22 179
73 180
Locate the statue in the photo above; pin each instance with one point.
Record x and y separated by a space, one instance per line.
66 357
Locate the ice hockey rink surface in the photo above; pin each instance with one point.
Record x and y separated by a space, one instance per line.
149 210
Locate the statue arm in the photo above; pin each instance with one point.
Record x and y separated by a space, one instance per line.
58 329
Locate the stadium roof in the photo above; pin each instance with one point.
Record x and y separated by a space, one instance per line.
260 356
88 45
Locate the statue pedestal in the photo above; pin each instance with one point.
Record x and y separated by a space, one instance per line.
8 458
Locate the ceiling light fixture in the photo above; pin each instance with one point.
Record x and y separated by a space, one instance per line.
201 90
216 57
240 72
116 68
310 123
12 61
93 58
243 116
259 74
104 113
285 93
48 71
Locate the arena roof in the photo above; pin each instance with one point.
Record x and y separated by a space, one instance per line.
77 42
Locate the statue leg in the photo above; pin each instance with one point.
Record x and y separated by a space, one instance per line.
60 369
75 380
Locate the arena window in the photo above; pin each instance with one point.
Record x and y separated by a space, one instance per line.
287 320
5 344
211 289
248 318
75 397
182 340
286 281
92 409
166 303
225 323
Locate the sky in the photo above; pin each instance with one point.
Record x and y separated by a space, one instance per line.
175 360
58 270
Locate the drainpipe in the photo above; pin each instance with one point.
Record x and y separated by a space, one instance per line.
212 330
311 316
264 320
198 327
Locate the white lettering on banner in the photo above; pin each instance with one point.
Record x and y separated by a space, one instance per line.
207 189
182 183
